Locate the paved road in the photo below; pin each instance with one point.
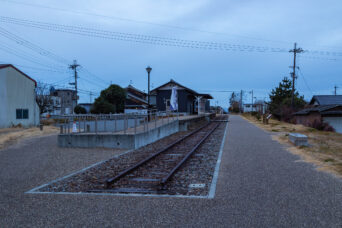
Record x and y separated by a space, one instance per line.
260 185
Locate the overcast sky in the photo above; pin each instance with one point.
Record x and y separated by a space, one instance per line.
314 24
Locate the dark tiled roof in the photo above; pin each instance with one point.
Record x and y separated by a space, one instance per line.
327 99
321 109
10 65
207 96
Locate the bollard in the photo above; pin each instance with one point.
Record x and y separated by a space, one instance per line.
61 129
41 127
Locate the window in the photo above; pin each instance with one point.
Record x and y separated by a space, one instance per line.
22 113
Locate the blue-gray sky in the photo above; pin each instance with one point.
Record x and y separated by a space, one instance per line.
315 25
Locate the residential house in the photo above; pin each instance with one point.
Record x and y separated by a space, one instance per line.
324 108
189 101
17 98
68 100
136 100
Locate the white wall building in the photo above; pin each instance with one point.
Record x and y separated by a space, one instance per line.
17 98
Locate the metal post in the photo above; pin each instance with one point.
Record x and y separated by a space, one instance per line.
61 129
135 124
96 124
79 125
155 120
105 126
114 123
124 124
147 125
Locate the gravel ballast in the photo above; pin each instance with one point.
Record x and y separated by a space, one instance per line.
192 179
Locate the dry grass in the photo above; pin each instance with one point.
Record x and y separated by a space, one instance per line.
10 136
325 149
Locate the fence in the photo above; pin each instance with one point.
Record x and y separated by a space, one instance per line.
113 123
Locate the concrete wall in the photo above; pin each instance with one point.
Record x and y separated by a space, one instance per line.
307 119
17 92
335 122
117 141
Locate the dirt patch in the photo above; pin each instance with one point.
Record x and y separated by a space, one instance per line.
11 136
324 150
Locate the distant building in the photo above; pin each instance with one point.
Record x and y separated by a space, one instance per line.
53 106
68 100
324 108
136 100
189 101
17 98
259 106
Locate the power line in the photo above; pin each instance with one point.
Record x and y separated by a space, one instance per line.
33 47
305 82
164 41
155 40
142 22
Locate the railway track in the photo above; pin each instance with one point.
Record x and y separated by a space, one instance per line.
151 174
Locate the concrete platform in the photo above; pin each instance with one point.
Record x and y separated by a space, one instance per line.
260 185
131 138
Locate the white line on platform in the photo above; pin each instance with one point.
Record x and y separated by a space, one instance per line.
212 190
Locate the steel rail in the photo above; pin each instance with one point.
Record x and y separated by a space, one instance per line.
130 169
170 174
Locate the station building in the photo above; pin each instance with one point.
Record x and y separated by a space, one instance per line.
189 101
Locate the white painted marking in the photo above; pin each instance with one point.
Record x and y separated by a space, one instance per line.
212 190
196 185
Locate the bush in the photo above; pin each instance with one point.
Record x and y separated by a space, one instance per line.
80 110
320 125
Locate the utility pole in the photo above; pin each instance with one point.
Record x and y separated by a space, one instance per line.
252 100
241 101
74 68
335 87
295 50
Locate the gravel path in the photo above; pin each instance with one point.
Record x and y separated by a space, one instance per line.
260 185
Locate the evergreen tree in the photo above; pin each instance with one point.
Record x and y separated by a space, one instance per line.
111 100
280 104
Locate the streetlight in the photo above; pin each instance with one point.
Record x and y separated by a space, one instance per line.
148 69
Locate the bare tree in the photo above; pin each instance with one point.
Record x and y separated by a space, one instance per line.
43 97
